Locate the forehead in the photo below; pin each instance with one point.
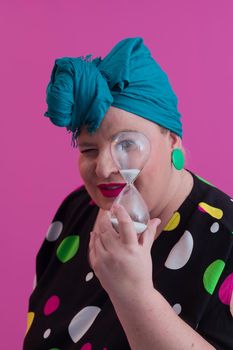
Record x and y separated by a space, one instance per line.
115 121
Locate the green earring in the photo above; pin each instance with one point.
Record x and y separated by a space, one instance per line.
178 158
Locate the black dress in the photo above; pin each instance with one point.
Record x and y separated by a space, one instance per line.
192 269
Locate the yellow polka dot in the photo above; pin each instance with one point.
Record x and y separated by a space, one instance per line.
30 319
214 212
173 222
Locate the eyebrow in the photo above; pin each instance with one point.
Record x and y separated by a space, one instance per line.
85 144
124 130
89 144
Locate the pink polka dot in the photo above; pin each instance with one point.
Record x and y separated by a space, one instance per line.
51 305
226 290
91 202
86 346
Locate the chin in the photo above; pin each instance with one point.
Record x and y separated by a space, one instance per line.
106 204
103 203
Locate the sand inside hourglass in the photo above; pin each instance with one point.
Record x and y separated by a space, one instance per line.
130 151
129 174
139 227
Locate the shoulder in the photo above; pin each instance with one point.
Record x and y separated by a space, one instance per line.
73 202
79 194
75 209
213 201
73 215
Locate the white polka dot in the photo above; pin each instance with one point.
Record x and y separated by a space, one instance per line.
47 333
232 199
231 305
181 252
89 276
214 227
82 321
34 282
54 231
177 308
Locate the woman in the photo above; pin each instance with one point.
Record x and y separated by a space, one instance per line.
171 288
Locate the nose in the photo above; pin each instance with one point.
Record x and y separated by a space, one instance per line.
105 165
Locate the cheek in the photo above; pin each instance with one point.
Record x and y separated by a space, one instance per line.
154 178
157 166
86 169
87 172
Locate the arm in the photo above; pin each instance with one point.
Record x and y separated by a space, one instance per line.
124 267
150 323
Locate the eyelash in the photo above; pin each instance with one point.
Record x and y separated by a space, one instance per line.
88 150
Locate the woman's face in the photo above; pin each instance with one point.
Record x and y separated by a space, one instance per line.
97 166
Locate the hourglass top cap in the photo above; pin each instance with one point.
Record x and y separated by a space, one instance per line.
82 89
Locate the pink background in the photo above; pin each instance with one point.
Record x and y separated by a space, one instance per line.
191 39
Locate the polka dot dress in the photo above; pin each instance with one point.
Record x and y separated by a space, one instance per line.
192 269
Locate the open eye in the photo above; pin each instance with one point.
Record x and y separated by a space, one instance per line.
127 145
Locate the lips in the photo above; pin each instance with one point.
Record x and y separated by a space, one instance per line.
111 189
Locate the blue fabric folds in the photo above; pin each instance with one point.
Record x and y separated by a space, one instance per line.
81 90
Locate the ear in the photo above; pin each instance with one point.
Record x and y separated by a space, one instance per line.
174 140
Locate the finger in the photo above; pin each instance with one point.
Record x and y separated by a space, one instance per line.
99 246
105 225
148 236
109 240
105 222
127 231
112 230
96 250
91 241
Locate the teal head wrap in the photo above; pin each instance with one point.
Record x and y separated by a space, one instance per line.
81 90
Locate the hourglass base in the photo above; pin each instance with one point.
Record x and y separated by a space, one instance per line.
139 227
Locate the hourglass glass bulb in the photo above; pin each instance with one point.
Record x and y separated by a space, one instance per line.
135 206
130 151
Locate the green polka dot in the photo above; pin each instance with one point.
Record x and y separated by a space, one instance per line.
212 275
203 180
68 248
54 349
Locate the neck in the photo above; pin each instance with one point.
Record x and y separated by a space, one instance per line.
178 190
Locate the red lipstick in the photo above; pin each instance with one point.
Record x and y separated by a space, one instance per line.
111 189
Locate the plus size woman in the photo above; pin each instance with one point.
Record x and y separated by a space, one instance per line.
99 289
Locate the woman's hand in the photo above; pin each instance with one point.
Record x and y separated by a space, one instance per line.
123 266
122 262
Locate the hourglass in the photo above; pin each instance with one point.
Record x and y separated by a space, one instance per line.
130 152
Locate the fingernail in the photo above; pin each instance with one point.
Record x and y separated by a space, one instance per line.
156 222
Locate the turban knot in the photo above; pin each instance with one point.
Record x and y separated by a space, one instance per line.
82 89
